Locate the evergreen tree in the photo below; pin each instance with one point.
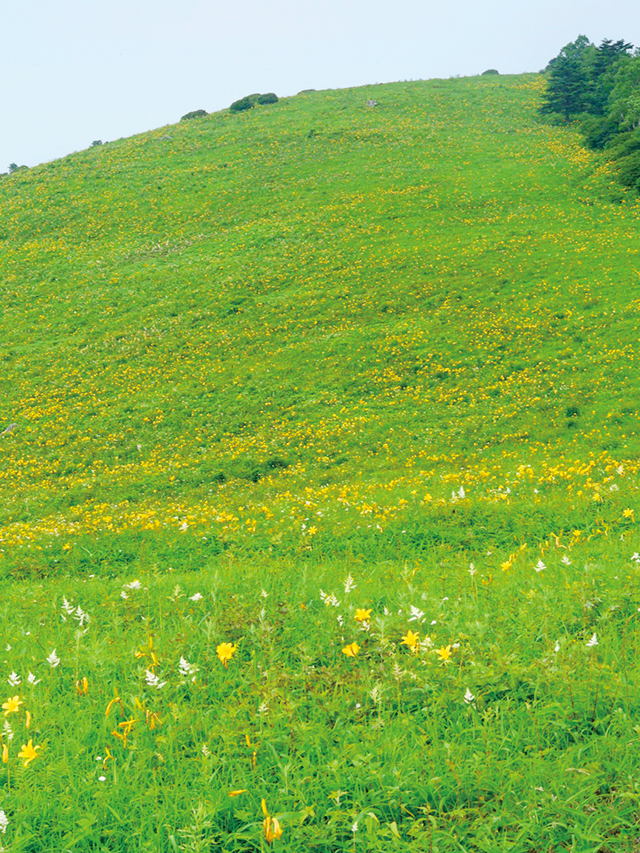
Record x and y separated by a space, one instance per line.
608 59
570 81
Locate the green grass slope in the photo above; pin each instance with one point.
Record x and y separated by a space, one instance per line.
304 326
318 485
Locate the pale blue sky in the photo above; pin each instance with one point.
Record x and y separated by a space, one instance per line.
79 70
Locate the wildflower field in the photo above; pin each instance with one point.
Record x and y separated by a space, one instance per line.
319 474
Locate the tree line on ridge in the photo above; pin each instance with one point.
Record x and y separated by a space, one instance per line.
599 88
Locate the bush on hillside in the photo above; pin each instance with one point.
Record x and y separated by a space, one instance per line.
629 170
623 145
194 114
490 71
250 101
598 130
245 103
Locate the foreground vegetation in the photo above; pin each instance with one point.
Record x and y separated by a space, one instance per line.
319 483
434 705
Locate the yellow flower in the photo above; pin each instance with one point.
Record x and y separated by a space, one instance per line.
362 615
28 752
628 513
444 654
152 720
82 686
225 652
351 651
238 792
12 705
115 701
272 828
5 753
412 640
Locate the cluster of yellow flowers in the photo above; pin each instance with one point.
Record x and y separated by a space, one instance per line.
28 751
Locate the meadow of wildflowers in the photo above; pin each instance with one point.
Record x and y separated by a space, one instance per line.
318 487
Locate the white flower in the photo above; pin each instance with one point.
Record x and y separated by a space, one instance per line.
14 679
204 749
592 642
469 697
102 778
187 669
329 599
349 584
556 648
67 606
153 680
32 679
132 585
354 828
416 614
566 560
196 597
472 569
123 594
7 731
636 557
4 822
539 566
81 616
184 526
461 492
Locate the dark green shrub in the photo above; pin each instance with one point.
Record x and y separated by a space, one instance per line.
269 98
490 71
96 142
623 145
195 114
246 103
629 170
598 131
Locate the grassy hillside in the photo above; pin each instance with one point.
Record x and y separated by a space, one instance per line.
318 484
323 314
